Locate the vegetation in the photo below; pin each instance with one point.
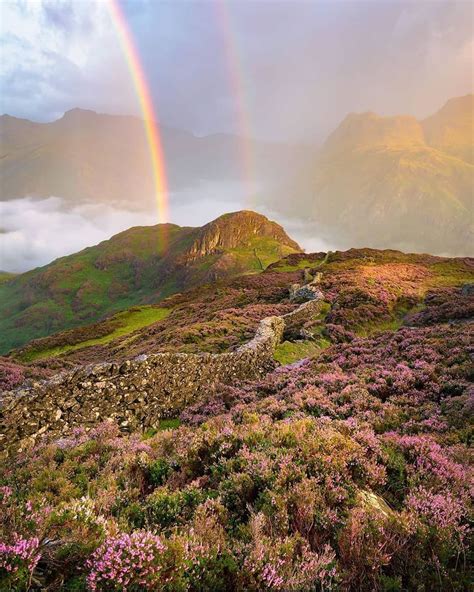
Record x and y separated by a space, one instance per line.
347 468
124 322
348 471
6 276
292 351
138 266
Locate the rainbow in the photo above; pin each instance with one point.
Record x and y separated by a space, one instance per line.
237 83
146 105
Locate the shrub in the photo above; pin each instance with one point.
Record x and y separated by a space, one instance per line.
137 561
18 562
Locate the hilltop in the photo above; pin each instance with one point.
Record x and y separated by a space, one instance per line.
393 182
140 265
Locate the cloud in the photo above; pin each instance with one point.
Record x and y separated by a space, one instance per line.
34 232
59 55
291 69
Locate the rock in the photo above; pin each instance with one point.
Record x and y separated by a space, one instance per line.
142 391
305 293
467 290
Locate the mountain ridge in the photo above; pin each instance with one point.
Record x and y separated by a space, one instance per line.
378 182
86 156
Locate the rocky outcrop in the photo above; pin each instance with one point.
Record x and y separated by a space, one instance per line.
139 392
235 230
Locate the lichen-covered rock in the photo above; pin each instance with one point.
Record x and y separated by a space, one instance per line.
467 290
304 293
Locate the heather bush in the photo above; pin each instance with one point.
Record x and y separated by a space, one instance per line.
136 562
18 561
11 374
351 471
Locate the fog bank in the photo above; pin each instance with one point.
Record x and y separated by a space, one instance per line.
34 232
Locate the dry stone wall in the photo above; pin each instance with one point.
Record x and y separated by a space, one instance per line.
139 392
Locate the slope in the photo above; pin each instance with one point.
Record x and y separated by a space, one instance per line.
393 182
134 267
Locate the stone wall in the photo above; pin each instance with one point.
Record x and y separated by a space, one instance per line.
139 392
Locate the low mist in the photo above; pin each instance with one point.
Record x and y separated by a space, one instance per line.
34 232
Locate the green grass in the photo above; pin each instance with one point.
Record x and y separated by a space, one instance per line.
130 321
393 324
260 253
284 267
292 351
163 424
451 273
6 276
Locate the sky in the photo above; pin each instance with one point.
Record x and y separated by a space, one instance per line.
280 70
275 70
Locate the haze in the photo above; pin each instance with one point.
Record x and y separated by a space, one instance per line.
295 69
278 71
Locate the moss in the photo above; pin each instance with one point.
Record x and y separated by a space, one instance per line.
285 266
292 351
169 424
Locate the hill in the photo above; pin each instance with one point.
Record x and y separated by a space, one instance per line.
393 182
346 468
90 157
140 265
369 290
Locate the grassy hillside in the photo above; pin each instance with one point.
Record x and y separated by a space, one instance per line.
117 326
6 276
349 470
140 265
366 291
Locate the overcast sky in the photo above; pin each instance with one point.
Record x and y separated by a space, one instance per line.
286 70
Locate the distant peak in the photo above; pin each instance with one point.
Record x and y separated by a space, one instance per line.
367 130
455 107
77 112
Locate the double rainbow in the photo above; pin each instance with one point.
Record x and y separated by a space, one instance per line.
146 105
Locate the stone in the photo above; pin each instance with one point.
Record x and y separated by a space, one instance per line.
153 386
305 293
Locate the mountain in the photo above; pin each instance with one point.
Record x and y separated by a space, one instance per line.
140 265
393 182
451 129
86 156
